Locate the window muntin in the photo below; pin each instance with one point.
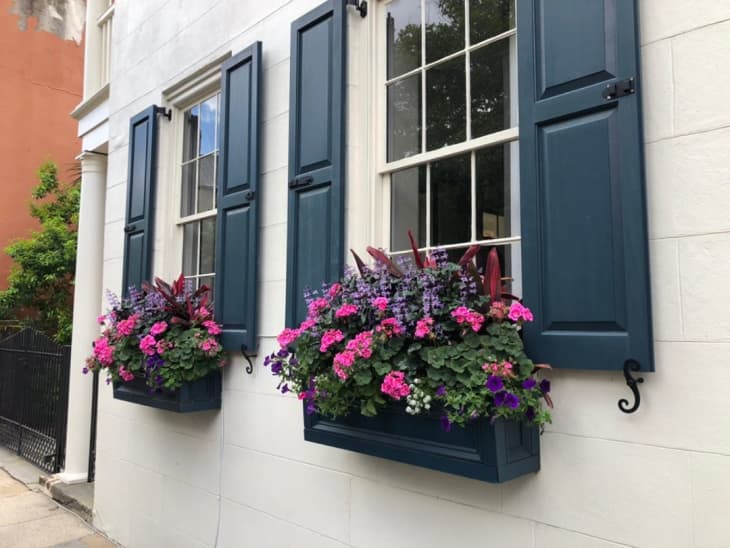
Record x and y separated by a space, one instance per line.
198 190
451 125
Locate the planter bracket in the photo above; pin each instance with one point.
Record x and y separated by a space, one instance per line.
249 367
633 383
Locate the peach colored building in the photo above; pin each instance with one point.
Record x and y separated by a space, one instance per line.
41 83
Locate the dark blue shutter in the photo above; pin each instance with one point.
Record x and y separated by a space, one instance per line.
237 224
584 236
141 182
315 238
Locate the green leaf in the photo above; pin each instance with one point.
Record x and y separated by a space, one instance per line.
363 377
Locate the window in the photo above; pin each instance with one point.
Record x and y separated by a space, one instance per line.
198 190
449 89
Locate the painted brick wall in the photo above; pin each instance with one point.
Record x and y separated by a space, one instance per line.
659 478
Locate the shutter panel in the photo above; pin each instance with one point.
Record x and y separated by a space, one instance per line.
237 222
584 235
141 182
315 238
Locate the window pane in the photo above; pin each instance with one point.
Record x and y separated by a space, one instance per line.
187 204
489 18
490 108
493 187
451 201
190 249
446 104
404 118
408 207
404 36
207 246
208 117
444 28
206 178
190 136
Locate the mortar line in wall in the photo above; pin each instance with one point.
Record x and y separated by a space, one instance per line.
299 461
679 288
674 86
175 478
692 499
687 134
685 236
279 518
640 444
700 27
693 341
502 512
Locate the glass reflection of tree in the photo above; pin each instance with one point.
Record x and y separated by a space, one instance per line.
446 107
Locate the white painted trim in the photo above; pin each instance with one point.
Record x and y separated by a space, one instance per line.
504 136
204 81
89 104
381 179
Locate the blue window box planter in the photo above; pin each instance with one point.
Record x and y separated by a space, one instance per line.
484 451
200 395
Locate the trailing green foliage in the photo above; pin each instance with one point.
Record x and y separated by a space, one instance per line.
40 284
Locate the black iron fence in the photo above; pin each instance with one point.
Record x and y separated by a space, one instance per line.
34 377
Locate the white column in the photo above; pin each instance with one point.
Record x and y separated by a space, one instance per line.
87 307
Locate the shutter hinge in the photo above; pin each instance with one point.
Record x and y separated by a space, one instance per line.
250 195
164 112
619 89
359 5
130 228
301 181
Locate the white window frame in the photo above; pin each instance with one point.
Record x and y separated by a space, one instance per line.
179 97
383 169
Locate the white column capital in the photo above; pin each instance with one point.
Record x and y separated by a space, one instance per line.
92 162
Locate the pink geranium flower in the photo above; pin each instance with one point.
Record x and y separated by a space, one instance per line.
103 351
519 312
126 327
394 385
334 290
309 323
381 303
317 306
330 337
125 374
342 362
346 310
212 327
423 327
391 327
361 345
287 337
148 345
158 328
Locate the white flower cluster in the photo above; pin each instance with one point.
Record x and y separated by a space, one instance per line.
417 400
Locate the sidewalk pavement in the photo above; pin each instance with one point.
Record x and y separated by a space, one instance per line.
30 519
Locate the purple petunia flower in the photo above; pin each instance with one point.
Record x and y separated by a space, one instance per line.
441 391
445 423
311 408
529 383
530 414
499 398
276 368
285 389
85 370
494 383
545 386
511 401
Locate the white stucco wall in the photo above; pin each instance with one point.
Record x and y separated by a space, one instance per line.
244 476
